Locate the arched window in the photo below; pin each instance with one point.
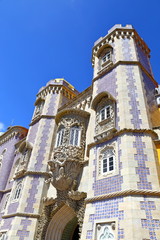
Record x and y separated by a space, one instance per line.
5 201
17 191
1 157
105 57
74 136
14 169
108 161
39 106
24 154
60 136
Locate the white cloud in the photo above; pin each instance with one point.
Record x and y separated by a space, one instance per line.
2 127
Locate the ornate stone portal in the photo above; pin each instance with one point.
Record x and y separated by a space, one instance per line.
66 167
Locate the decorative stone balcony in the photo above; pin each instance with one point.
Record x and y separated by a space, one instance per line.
66 165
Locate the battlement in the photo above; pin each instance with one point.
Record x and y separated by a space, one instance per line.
119 32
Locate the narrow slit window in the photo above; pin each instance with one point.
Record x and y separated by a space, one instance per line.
17 191
6 201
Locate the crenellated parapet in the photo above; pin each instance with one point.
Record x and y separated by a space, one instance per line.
118 32
56 93
58 85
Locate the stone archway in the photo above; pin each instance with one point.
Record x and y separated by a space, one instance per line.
61 222
71 231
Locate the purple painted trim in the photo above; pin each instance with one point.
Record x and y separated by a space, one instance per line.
144 60
12 208
32 133
32 195
126 49
22 234
135 112
43 145
141 158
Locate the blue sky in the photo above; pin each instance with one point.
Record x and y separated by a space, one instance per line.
45 39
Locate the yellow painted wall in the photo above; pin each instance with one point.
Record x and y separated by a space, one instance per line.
158 151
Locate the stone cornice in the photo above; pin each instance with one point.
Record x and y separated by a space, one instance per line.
35 120
119 133
126 63
53 88
120 33
27 173
19 214
124 193
5 191
12 132
71 111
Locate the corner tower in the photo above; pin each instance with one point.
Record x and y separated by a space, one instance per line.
26 182
123 196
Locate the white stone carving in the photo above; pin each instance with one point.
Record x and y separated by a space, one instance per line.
67 160
23 163
105 231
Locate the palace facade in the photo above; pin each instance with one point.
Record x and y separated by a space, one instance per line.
88 166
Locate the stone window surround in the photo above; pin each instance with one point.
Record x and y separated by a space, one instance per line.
107 121
5 203
61 133
1 156
104 56
38 106
17 192
101 152
107 113
102 100
106 170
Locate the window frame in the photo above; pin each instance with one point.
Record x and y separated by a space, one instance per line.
2 157
17 191
60 137
106 57
39 107
106 114
76 139
6 201
108 164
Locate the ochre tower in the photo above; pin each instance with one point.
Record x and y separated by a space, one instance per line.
88 167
